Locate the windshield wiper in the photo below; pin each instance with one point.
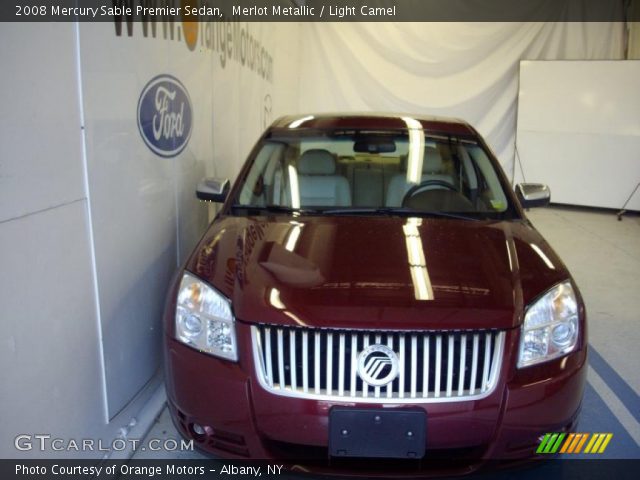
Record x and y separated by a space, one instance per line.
391 211
399 211
273 208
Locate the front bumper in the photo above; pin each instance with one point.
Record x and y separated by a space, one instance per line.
244 421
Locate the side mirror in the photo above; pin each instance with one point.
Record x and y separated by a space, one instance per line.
213 189
533 194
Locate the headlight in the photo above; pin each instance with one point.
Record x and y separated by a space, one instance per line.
550 328
204 320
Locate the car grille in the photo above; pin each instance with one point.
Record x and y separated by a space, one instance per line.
433 366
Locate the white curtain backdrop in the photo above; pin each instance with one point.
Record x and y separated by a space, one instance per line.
464 70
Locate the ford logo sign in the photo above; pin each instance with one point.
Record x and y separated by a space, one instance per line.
164 115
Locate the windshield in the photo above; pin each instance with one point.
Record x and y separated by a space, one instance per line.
370 172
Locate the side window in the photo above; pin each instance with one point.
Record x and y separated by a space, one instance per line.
490 189
258 187
468 176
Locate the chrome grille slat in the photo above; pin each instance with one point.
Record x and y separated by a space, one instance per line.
354 363
376 390
316 363
267 355
442 366
438 363
390 385
450 352
292 359
425 366
474 364
281 381
365 386
329 371
485 366
305 361
414 365
463 358
341 367
401 368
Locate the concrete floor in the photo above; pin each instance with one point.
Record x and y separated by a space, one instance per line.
603 255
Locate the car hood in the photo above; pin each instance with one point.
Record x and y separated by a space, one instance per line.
376 272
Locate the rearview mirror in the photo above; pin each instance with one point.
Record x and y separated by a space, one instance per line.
213 189
533 194
374 144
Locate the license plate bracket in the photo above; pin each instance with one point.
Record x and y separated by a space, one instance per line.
381 433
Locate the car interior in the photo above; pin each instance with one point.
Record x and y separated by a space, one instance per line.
453 177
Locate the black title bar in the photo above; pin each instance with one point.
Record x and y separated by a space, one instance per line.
318 10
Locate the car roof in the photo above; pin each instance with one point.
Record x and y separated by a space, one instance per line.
368 120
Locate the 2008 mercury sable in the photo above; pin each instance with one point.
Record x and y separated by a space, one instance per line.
371 288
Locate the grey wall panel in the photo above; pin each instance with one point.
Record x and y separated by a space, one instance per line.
134 226
132 193
51 374
40 151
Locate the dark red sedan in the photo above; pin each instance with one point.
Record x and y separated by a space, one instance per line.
372 289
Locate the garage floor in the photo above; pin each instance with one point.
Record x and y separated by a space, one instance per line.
604 256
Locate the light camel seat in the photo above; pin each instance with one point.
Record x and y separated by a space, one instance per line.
368 187
319 185
432 169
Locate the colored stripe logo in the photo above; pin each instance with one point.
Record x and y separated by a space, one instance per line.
596 443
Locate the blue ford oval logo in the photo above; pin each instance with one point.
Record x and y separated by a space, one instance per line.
164 115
